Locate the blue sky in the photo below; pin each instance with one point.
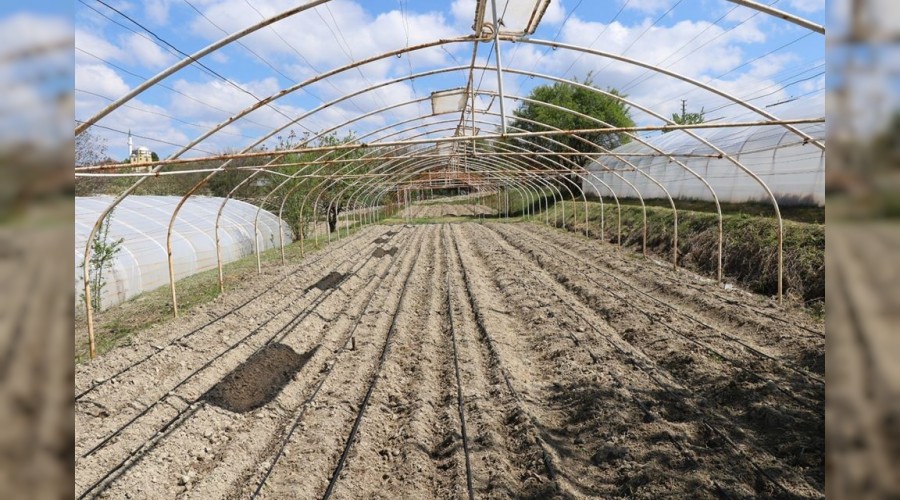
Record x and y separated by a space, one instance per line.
733 48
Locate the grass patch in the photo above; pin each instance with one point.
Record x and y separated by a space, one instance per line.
116 326
750 244
809 215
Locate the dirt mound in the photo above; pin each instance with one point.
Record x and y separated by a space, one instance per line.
328 282
381 252
258 380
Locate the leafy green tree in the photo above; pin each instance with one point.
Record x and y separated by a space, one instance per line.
103 253
323 187
686 118
584 101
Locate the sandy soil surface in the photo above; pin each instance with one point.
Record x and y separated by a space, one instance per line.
463 360
447 210
863 409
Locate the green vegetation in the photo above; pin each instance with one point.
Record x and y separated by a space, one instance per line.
582 100
686 118
807 214
750 251
116 326
327 193
103 253
600 107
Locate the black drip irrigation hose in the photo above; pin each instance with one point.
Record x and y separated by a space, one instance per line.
168 427
460 401
213 321
779 362
495 355
284 330
305 405
372 384
629 359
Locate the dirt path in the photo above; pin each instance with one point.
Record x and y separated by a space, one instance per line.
863 394
462 360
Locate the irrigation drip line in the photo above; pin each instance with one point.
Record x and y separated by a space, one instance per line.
654 374
327 373
351 438
715 353
235 310
280 334
480 325
460 400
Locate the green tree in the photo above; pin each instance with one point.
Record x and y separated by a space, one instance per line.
103 253
686 118
602 107
321 187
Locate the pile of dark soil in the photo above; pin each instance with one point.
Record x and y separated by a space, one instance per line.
381 252
330 281
258 380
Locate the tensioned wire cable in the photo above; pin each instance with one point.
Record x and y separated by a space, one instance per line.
164 86
345 48
148 138
299 54
207 68
646 30
159 113
248 49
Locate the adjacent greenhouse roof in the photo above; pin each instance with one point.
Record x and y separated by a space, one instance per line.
141 223
788 164
407 84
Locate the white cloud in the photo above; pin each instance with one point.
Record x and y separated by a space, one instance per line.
325 37
653 46
97 46
146 53
142 118
22 31
157 10
649 6
219 56
100 79
555 13
328 36
463 12
808 5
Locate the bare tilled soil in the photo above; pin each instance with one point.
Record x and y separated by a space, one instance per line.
447 210
464 360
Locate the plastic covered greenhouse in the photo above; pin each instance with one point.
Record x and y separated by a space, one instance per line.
792 168
141 222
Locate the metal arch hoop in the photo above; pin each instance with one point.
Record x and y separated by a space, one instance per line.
181 64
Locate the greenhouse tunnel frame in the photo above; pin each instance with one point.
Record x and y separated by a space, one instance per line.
372 190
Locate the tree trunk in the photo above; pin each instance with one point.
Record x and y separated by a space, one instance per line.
332 218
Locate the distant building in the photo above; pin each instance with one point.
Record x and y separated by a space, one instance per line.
140 155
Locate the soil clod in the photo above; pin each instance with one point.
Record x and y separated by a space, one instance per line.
259 379
381 252
328 282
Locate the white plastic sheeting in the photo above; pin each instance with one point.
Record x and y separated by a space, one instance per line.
794 171
448 101
142 263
